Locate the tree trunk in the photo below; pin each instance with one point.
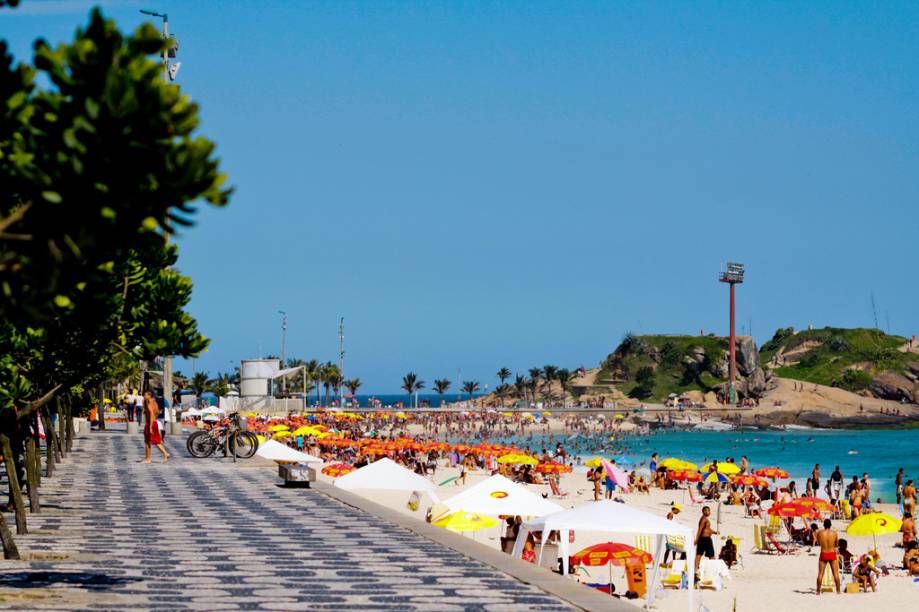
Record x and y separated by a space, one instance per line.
68 427
36 456
49 444
13 479
61 410
9 543
32 475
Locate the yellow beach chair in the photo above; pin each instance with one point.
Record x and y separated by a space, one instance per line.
674 579
775 524
828 585
760 543
643 542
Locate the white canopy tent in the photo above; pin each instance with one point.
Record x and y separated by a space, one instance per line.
388 475
275 451
497 495
613 517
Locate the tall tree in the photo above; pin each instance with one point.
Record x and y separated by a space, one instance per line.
470 387
441 386
503 375
353 384
411 384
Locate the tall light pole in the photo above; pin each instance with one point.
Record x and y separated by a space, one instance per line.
283 347
170 70
733 276
341 362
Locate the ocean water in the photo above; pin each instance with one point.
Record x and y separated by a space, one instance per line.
880 452
393 399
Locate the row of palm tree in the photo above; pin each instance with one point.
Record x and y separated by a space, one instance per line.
539 384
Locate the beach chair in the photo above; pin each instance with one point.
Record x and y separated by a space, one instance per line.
736 542
828 585
643 542
760 544
674 578
775 525
846 509
692 497
710 574
556 492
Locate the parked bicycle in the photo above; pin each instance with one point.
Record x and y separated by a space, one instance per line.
227 435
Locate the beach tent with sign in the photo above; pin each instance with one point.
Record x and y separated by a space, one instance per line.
387 475
610 517
497 496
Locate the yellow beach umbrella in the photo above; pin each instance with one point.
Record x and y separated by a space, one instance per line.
465 521
593 462
672 463
400 415
250 415
547 413
619 415
507 414
261 439
724 468
874 524
278 428
518 458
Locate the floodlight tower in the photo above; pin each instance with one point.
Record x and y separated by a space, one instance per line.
732 275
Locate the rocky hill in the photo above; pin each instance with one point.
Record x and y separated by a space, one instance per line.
652 367
864 361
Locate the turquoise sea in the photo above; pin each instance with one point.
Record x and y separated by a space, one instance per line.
880 452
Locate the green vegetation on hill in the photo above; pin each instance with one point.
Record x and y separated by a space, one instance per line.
847 358
652 367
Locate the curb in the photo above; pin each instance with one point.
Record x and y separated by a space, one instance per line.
572 593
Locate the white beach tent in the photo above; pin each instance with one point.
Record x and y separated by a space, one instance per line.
275 451
497 495
388 475
612 517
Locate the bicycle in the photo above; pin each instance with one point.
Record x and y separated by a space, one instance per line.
229 436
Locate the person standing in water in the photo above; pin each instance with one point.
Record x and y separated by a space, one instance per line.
152 435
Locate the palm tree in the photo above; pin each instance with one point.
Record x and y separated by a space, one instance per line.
335 381
470 387
440 386
535 374
520 386
353 384
411 384
329 372
503 374
314 376
199 383
564 377
549 372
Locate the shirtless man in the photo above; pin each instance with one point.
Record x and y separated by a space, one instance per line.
909 497
828 539
704 544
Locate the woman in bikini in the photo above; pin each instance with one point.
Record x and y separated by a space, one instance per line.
152 436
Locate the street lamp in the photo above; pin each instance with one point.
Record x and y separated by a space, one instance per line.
283 348
170 69
733 275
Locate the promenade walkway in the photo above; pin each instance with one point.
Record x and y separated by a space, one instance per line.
207 534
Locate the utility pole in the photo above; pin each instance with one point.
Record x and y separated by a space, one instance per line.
733 276
283 348
341 362
170 70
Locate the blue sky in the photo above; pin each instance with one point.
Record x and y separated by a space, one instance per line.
477 185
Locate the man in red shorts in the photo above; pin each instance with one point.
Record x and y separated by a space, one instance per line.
827 539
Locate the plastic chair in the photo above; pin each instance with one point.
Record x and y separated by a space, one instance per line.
674 579
709 575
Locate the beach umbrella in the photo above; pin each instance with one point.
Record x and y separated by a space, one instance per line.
612 553
684 475
517 458
338 469
724 468
278 428
820 505
672 463
874 524
282 434
594 462
771 472
619 416
791 509
749 480
465 521
547 414
552 468
716 477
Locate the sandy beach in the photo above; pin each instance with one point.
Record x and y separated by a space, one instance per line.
763 582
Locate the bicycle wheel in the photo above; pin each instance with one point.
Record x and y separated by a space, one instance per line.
244 444
200 445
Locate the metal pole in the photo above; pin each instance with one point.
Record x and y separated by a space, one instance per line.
733 350
341 362
283 348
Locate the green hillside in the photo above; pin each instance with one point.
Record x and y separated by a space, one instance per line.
847 358
652 367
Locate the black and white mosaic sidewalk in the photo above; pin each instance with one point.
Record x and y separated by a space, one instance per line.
210 535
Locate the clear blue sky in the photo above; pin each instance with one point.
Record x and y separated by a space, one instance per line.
477 185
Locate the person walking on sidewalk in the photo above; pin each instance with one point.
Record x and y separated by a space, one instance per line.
152 435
